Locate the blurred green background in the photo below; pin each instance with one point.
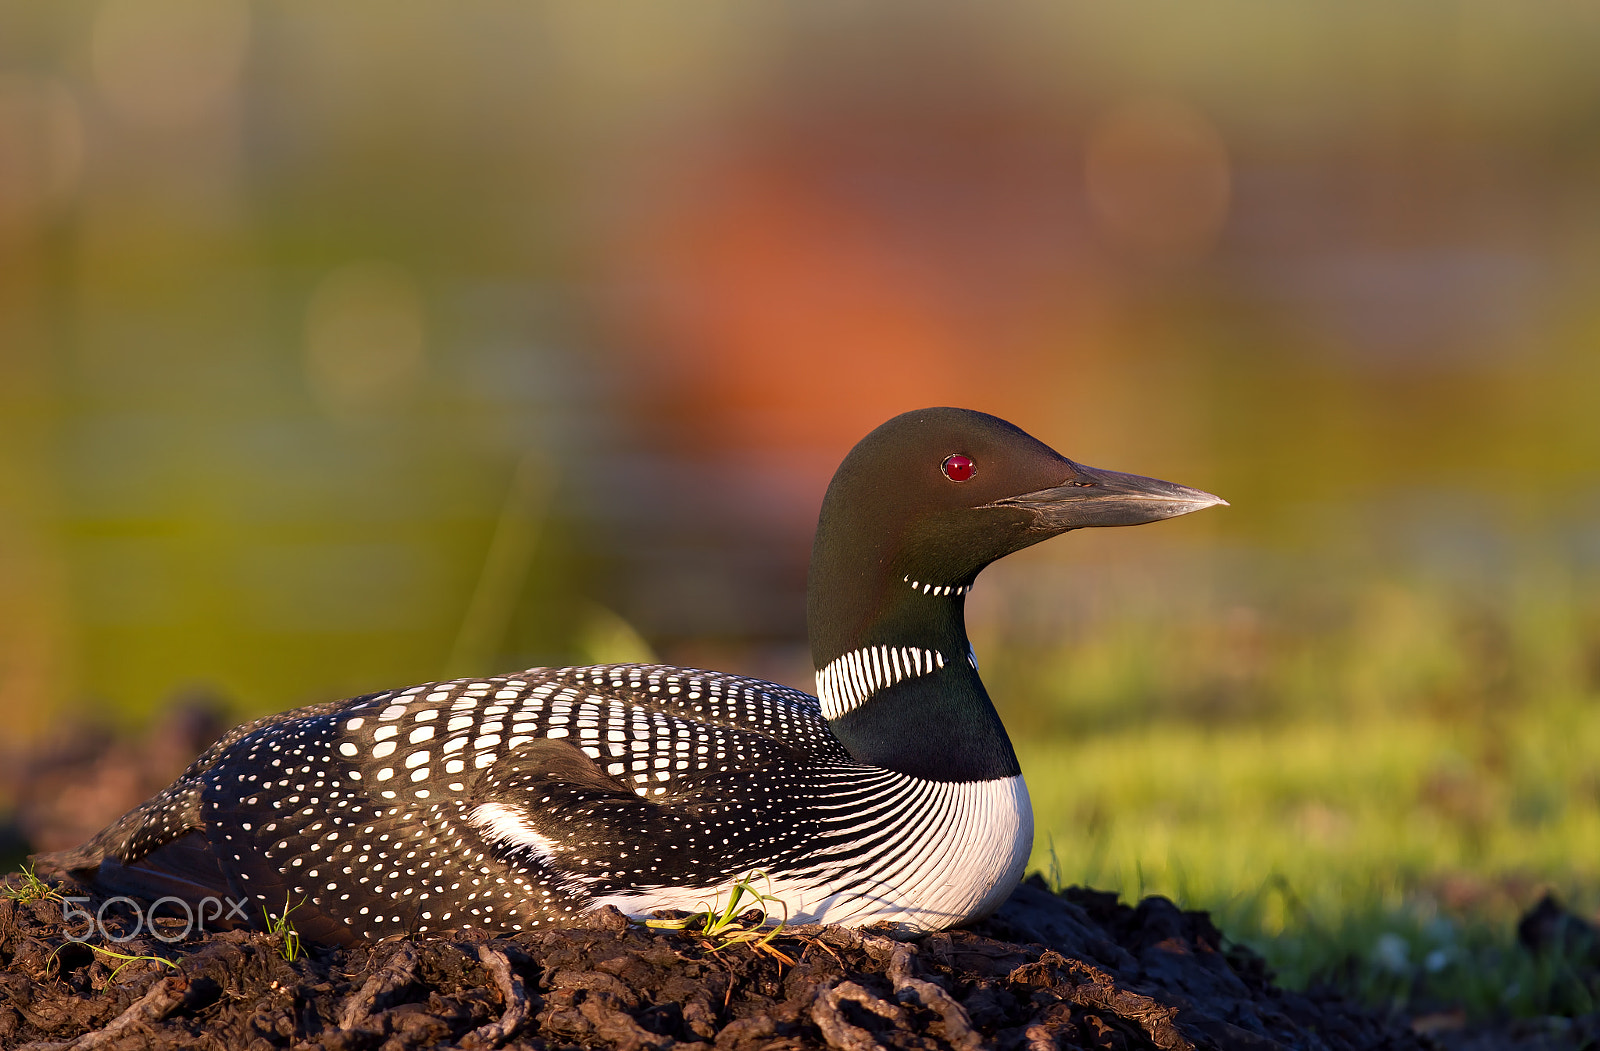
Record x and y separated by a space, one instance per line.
346 345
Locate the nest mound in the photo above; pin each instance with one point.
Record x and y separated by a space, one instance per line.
1077 970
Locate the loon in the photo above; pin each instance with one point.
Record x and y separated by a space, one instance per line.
523 801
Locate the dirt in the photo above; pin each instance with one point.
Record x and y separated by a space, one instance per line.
1080 970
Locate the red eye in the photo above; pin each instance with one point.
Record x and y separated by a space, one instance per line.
958 468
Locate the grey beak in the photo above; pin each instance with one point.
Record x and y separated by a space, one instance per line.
1095 497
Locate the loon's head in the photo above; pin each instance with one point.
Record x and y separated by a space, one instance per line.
941 493
914 513
922 504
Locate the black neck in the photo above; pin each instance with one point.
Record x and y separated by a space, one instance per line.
937 724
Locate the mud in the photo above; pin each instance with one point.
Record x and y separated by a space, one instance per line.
1076 971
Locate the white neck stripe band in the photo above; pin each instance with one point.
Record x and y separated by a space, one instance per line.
847 682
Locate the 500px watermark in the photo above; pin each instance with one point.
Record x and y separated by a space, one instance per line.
194 916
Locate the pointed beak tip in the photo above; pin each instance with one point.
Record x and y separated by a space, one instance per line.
1199 499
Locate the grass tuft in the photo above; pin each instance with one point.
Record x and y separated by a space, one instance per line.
30 889
740 920
282 931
